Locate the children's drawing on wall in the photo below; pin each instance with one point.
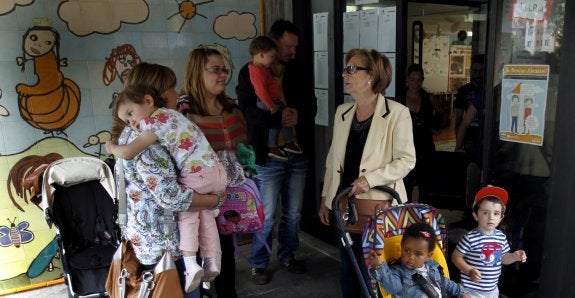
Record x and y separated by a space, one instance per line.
7 6
118 65
15 233
98 139
187 10
240 26
86 17
24 178
3 110
32 252
52 104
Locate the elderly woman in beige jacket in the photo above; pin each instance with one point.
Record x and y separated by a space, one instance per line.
372 145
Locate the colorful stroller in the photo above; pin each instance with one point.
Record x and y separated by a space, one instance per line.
78 196
383 233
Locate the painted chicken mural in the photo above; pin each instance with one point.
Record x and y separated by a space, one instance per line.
52 104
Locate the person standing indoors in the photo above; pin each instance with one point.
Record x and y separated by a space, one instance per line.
372 145
468 106
205 103
152 186
422 110
280 179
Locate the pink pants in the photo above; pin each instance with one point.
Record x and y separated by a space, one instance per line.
199 228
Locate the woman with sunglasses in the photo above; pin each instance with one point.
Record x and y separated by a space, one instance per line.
206 104
372 145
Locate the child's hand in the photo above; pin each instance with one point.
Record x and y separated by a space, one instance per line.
520 256
373 259
474 274
465 295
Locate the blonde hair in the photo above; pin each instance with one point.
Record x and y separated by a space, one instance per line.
194 85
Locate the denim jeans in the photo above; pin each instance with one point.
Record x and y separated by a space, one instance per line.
285 181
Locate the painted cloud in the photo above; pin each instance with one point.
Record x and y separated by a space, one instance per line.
6 6
235 25
85 17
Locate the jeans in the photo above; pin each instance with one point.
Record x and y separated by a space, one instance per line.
283 180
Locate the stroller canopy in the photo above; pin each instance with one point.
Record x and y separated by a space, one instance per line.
72 171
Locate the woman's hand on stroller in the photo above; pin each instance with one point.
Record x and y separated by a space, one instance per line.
323 212
373 259
359 186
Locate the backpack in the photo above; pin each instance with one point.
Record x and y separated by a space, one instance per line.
242 211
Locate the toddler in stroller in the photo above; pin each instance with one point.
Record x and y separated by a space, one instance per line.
383 235
415 273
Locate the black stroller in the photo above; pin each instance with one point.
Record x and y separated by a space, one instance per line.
79 197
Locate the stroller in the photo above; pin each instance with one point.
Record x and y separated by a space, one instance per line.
383 234
79 197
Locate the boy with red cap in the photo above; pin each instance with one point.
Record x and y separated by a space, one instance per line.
482 251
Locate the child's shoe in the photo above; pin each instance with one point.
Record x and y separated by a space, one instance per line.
293 147
193 276
212 268
278 154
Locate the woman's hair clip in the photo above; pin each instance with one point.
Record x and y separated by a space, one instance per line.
425 234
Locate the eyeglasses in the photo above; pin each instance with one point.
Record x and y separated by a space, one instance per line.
218 70
351 69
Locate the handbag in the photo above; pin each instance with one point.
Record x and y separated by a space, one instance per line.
357 212
242 211
125 279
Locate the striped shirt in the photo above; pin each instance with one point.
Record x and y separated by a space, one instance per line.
484 253
224 132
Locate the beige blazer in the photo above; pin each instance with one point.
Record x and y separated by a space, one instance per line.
387 157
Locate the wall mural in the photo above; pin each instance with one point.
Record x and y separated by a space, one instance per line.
61 64
53 102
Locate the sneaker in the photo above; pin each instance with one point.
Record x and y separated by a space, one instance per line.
295 266
278 154
211 268
293 147
260 276
193 277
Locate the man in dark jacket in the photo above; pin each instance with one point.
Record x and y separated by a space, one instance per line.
280 178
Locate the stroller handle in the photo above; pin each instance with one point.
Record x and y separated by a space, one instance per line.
335 203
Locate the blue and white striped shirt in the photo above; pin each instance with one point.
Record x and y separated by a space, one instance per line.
484 253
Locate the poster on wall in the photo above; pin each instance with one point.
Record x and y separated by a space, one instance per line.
523 102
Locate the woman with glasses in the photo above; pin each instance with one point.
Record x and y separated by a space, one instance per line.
206 104
372 145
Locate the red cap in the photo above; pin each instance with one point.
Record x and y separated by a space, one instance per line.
491 191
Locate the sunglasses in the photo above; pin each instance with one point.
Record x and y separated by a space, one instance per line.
218 70
351 69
